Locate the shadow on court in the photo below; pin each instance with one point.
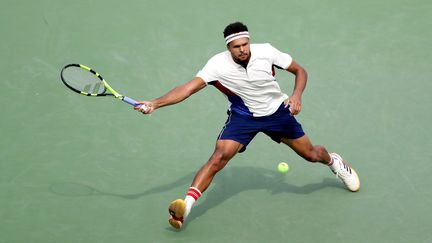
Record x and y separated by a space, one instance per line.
228 183
235 180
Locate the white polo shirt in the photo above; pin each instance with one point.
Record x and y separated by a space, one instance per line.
252 91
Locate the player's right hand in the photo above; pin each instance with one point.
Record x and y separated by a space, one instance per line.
145 107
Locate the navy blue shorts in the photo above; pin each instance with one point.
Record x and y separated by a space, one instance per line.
243 129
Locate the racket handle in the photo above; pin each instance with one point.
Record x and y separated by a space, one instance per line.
133 102
130 101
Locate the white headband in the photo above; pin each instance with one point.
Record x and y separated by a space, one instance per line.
236 36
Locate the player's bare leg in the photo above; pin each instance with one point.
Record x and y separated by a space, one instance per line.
303 147
224 151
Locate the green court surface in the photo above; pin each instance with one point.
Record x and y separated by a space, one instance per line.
80 169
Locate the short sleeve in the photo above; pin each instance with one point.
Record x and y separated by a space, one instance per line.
280 59
208 73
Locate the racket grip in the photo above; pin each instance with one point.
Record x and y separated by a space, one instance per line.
133 102
130 101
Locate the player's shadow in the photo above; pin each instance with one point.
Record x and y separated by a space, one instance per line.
227 183
234 180
77 189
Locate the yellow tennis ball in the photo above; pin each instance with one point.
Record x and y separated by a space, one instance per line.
283 167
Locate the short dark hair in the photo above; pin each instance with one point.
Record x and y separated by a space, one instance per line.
234 28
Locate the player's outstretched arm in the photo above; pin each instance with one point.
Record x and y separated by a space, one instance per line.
174 96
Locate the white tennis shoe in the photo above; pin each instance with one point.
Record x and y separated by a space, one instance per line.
347 174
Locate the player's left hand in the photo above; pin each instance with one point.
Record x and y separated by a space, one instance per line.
294 104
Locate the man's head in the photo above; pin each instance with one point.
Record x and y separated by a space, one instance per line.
237 40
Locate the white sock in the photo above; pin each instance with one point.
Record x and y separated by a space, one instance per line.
191 197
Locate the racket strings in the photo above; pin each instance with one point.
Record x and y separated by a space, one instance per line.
96 87
83 80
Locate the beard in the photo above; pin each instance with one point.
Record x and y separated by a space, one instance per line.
243 62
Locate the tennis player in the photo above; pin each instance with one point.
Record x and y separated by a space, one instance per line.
245 74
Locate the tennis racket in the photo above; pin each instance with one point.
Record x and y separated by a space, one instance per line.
88 82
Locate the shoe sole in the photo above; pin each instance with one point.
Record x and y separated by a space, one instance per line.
175 223
358 181
176 209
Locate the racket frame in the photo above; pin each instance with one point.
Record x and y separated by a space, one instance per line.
114 93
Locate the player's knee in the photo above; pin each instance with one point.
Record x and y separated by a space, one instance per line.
218 161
